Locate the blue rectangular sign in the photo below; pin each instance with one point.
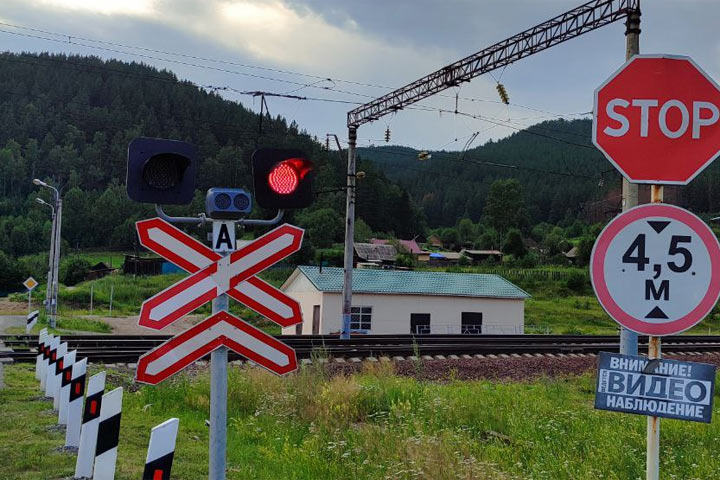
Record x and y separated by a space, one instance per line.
661 388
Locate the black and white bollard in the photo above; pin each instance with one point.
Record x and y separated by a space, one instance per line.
55 355
32 319
63 397
42 337
89 427
72 401
161 450
50 347
108 436
61 366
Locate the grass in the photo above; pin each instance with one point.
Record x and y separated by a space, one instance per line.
373 425
63 324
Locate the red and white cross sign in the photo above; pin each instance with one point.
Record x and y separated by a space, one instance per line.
213 275
221 329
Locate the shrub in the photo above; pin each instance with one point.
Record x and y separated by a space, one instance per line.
74 269
576 282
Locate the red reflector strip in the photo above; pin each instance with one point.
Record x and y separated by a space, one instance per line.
158 475
67 375
93 407
77 388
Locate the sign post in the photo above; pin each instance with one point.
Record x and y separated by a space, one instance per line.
655 268
30 284
215 275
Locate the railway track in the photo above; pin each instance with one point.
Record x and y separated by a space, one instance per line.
127 348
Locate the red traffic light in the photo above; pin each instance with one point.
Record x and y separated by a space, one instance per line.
282 178
285 177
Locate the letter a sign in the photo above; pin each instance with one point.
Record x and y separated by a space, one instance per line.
657 119
656 269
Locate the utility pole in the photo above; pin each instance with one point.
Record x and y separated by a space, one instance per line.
349 235
56 261
628 338
218 400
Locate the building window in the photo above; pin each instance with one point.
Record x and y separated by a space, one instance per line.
471 323
361 318
419 323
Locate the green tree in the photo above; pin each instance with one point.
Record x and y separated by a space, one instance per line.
73 269
323 226
514 244
505 206
362 232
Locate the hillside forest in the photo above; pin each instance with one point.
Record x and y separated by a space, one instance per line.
68 120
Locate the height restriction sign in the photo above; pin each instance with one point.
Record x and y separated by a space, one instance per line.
656 269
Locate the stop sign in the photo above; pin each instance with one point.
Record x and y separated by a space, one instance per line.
657 119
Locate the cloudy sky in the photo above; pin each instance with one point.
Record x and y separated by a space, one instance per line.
356 50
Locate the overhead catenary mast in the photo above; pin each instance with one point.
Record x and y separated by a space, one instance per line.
573 23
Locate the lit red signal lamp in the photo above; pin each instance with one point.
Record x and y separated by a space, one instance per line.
282 178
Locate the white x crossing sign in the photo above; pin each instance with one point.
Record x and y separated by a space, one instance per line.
213 275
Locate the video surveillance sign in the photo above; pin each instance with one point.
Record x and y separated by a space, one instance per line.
660 388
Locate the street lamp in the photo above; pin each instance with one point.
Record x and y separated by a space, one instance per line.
54 263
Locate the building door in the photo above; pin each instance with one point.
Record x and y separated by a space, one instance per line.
471 323
316 320
298 328
419 323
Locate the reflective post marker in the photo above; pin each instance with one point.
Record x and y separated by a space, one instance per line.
42 338
50 347
108 435
32 319
161 451
89 427
73 402
61 367
56 356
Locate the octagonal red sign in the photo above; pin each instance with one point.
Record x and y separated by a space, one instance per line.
657 119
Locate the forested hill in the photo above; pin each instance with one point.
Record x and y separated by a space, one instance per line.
562 175
69 119
556 164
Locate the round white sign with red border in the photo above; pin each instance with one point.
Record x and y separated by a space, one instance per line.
656 269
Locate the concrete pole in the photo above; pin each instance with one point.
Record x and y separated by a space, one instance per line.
349 235
51 267
56 255
218 400
629 339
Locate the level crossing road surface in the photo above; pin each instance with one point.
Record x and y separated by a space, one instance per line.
8 321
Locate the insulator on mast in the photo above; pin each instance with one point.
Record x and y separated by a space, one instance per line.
503 94
387 134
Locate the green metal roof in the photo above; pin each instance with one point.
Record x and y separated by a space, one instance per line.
415 282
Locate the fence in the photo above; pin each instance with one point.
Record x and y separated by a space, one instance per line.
447 329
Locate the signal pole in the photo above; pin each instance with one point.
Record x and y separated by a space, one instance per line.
628 338
349 235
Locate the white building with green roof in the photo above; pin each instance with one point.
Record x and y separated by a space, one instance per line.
401 302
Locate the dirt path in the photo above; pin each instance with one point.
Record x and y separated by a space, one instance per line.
7 321
129 325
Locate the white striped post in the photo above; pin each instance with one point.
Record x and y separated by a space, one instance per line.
55 356
73 403
32 319
63 397
89 427
42 337
108 436
61 366
161 450
50 346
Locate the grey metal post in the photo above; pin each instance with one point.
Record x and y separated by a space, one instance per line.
112 290
349 235
628 338
56 266
218 400
51 267
92 291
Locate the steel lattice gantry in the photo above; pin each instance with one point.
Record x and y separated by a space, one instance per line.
573 23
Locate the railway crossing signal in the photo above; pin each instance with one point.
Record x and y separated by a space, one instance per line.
657 119
213 275
282 178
